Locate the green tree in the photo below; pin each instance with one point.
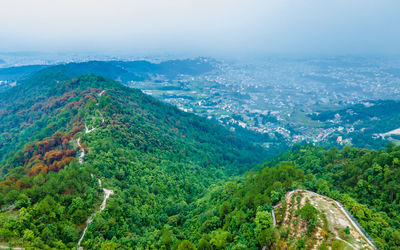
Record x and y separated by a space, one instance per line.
263 220
166 238
186 245
224 209
301 244
204 244
309 213
219 238
109 246
22 201
28 235
267 238
322 186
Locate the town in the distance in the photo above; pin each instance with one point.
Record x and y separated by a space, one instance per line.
277 101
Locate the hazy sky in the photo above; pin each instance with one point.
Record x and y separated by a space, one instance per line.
202 27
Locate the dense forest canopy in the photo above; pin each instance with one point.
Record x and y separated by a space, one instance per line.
179 181
157 159
237 215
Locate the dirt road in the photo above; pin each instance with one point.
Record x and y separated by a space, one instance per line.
107 192
339 218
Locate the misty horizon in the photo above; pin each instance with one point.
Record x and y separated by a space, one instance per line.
209 28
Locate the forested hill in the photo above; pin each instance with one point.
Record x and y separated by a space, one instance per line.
116 70
237 215
136 70
15 73
156 158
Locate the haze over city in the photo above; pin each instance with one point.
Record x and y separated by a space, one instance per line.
203 28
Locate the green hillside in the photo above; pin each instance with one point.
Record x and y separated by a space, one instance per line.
156 158
16 73
237 215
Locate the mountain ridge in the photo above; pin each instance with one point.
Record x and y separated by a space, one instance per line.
153 155
138 70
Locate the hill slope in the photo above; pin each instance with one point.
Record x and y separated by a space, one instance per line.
16 73
156 158
116 70
237 215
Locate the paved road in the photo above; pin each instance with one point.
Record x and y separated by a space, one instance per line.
354 224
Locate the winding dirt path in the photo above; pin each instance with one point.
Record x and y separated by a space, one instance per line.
87 130
102 117
107 192
82 150
7 247
273 218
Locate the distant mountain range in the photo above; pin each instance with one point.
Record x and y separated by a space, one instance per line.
116 70
16 73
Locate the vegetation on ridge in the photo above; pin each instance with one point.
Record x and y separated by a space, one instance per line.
158 160
170 174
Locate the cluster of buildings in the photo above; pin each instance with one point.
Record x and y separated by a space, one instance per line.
277 96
